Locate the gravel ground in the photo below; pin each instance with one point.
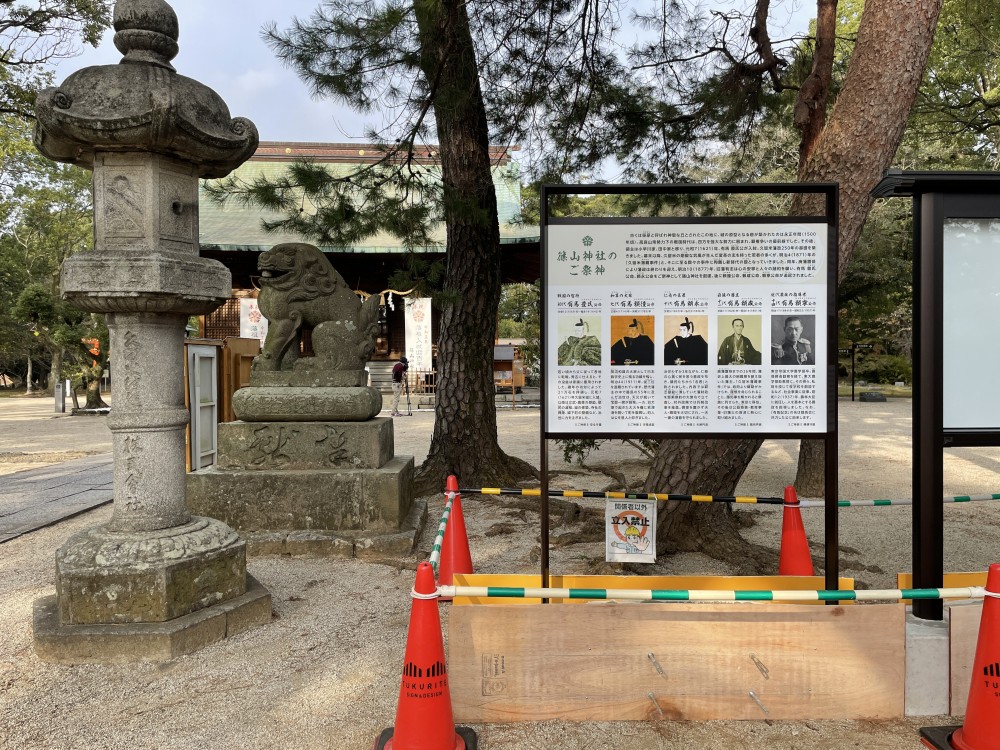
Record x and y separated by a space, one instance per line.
325 672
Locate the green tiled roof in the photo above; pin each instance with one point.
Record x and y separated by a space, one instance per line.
237 228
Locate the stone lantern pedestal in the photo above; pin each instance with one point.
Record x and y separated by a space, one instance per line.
155 582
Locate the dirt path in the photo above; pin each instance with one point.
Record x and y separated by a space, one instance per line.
325 673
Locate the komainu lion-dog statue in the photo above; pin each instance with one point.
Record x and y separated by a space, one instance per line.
301 291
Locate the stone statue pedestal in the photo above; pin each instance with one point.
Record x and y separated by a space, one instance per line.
330 486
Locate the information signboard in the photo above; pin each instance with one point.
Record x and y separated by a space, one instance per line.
661 327
971 307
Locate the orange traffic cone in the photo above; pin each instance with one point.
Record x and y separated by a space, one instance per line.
455 556
981 730
423 714
795 559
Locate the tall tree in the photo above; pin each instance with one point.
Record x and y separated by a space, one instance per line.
465 428
852 146
419 60
32 35
47 212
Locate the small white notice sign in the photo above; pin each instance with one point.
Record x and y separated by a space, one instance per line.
630 527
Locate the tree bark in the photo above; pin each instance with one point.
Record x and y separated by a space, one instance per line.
862 135
94 399
464 441
705 467
55 375
29 379
857 143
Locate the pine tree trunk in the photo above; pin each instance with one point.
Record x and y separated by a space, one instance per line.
704 467
94 400
862 135
810 475
855 146
464 441
55 375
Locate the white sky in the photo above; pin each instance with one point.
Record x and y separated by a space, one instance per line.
220 46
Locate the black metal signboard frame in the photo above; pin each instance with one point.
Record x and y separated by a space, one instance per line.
663 258
938 197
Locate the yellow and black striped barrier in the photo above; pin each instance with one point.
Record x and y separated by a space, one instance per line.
624 495
802 503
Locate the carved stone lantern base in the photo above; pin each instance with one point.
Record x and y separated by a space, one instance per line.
148 641
147 596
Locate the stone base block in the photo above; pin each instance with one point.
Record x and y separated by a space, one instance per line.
297 404
391 548
137 642
306 376
105 577
357 500
261 446
928 665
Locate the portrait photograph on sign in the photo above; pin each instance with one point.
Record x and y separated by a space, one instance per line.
792 339
688 345
632 340
686 326
740 340
579 341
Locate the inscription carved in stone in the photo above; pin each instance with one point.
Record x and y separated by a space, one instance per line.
132 452
268 446
335 446
131 349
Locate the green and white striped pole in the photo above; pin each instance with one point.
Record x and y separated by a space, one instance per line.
703 595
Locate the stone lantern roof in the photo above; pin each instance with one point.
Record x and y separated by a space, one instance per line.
142 103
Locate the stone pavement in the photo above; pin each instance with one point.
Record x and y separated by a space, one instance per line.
53 488
37 498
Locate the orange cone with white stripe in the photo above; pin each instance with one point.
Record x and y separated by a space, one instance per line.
795 559
423 715
455 555
981 730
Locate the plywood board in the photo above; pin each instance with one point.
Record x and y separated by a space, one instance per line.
963 621
539 662
677 583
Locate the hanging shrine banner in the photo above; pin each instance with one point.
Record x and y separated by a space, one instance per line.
253 324
418 333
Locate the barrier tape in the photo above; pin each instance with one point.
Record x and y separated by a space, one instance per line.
435 557
535 492
701 595
803 502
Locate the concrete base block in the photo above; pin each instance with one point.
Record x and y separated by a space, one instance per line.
285 446
146 642
928 665
391 548
374 501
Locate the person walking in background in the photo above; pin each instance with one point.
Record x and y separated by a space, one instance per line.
398 373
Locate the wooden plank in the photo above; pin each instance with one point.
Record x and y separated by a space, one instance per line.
963 632
540 662
709 583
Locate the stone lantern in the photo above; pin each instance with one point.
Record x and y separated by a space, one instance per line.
155 582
